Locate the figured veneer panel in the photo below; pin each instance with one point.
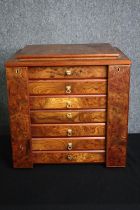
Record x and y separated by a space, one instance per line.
68 72
64 116
65 102
69 87
117 117
18 99
61 130
73 143
60 157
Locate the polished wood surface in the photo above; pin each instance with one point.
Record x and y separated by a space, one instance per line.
73 143
69 61
64 116
69 104
69 87
68 72
18 100
59 157
117 117
58 130
68 51
64 102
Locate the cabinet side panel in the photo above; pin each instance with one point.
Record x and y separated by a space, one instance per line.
117 116
18 100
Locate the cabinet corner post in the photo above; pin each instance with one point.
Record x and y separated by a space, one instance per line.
117 115
18 103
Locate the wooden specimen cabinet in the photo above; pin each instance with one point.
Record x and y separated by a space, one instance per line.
68 104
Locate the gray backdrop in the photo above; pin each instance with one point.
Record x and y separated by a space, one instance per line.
25 22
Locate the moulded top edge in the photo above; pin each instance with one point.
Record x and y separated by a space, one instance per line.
102 50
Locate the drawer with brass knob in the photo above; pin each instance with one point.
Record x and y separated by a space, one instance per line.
68 104
43 87
68 143
69 130
97 156
67 72
68 116
65 102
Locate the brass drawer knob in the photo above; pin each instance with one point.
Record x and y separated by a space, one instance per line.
21 147
68 72
69 115
70 157
68 89
17 71
69 146
69 132
68 104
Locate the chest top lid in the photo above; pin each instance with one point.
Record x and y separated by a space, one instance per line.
103 50
68 55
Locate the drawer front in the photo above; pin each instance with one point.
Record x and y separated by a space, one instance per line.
82 102
53 87
53 116
97 156
79 143
75 72
69 130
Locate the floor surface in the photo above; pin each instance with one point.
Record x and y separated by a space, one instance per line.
69 187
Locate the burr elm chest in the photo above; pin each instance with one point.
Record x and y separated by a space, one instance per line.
68 104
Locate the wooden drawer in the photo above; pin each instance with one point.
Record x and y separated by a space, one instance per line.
52 87
70 130
97 156
77 143
62 116
66 72
64 102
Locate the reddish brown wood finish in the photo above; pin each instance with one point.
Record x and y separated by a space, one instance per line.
117 117
64 116
59 157
122 60
37 77
68 72
61 130
64 60
68 51
68 102
17 82
73 143
68 87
